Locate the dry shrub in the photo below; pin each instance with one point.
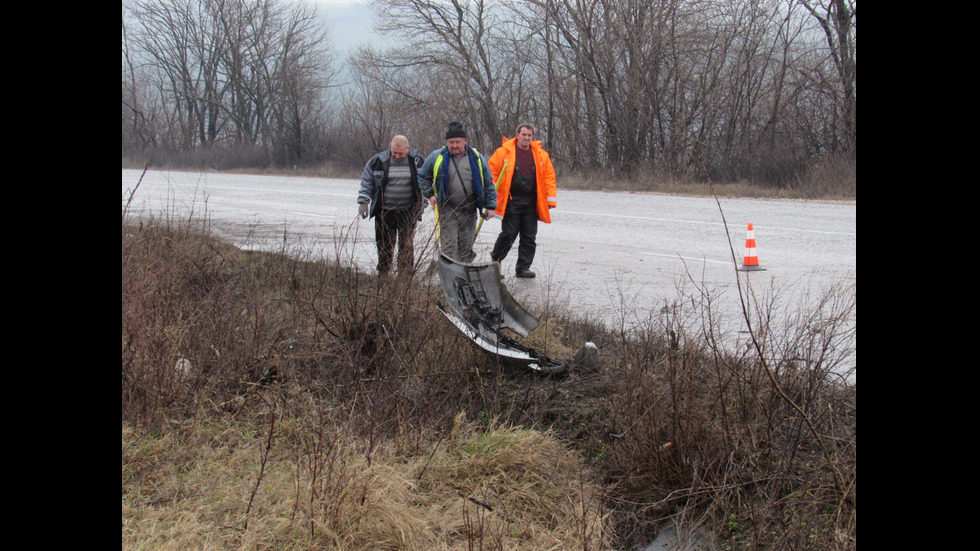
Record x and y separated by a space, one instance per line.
197 327
204 322
833 178
272 400
756 443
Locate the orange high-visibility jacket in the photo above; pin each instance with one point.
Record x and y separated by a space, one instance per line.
544 173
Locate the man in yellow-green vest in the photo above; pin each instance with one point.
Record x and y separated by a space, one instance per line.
456 180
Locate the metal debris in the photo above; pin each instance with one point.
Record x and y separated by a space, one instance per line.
480 306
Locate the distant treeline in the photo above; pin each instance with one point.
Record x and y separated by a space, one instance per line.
738 90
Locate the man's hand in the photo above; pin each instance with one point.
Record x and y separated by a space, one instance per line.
488 214
362 209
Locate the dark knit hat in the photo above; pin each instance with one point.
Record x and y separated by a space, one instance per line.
455 130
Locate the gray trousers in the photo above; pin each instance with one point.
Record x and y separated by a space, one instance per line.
457 232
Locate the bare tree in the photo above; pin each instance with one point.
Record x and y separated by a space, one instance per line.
165 37
137 117
383 101
463 45
838 22
236 71
622 59
300 69
758 90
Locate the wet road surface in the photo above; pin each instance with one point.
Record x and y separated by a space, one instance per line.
623 258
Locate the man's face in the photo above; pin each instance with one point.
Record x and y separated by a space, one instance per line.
457 146
399 153
524 137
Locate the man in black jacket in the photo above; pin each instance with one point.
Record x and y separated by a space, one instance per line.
389 193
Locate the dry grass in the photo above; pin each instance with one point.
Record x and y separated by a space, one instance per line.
834 179
275 401
502 487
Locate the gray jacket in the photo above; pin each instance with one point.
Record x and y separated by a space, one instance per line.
374 179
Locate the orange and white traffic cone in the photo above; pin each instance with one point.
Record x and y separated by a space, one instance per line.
751 261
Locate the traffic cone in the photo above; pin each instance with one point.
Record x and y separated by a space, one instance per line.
751 261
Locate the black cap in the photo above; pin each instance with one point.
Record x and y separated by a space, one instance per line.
455 130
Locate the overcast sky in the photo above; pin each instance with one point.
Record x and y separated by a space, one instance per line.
352 21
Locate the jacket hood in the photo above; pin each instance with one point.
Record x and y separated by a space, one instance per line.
513 142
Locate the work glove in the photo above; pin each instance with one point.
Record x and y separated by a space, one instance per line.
362 209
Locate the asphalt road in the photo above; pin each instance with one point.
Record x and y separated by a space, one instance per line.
621 257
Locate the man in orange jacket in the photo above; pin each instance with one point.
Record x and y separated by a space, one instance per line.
526 194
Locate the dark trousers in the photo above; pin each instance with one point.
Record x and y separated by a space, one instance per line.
520 218
393 227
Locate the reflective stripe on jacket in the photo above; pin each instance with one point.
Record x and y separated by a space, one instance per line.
434 183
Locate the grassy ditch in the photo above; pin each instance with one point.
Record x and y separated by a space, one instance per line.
271 400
